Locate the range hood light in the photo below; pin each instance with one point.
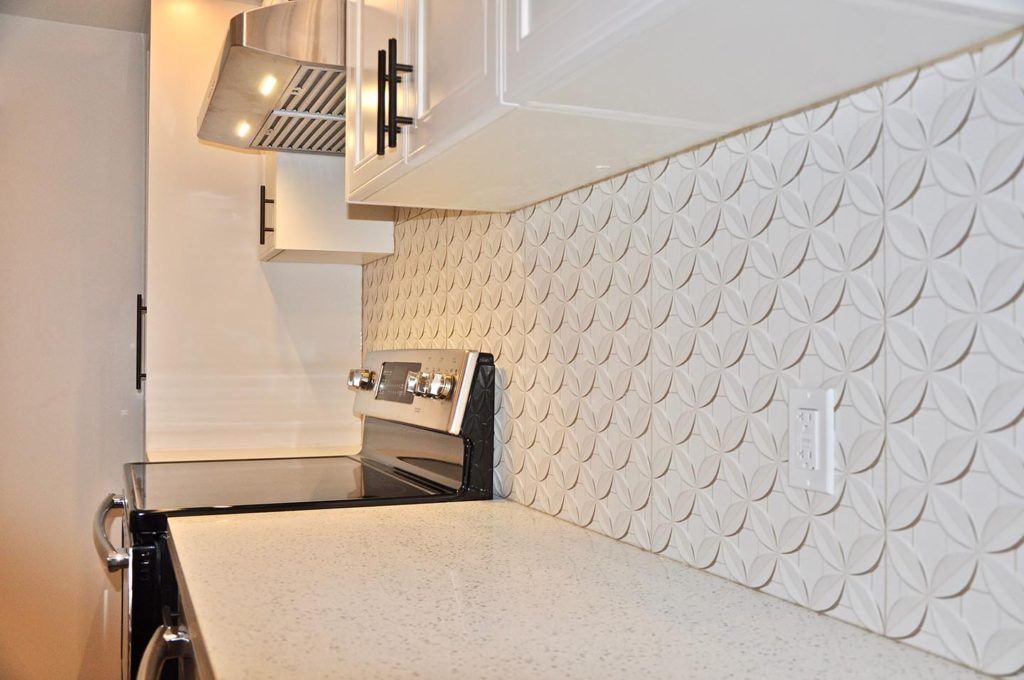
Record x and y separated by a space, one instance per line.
243 129
267 85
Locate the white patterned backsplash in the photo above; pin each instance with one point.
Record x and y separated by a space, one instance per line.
648 328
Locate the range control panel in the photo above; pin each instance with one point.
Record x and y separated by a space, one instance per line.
394 379
424 387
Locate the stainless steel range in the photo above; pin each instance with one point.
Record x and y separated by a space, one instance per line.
428 437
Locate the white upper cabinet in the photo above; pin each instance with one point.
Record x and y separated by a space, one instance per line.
521 100
448 84
310 220
370 24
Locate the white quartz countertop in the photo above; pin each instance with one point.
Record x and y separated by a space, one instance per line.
490 590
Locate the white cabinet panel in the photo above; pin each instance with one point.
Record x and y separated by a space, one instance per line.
543 38
456 78
723 65
527 156
73 163
369 26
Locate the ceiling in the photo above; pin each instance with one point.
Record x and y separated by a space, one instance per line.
120 15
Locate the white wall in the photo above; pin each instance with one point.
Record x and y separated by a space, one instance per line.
72 115
240 354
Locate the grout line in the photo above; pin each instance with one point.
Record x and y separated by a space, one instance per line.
650 373
881 150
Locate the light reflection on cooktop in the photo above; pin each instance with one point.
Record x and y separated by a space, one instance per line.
266 481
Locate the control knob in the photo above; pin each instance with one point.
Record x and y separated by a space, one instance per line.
360 379
441 386
430 385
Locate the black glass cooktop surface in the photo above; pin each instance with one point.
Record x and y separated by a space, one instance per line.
223 484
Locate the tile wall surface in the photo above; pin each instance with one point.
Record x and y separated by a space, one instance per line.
647 330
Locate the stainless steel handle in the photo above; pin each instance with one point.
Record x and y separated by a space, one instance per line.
116 559
168 642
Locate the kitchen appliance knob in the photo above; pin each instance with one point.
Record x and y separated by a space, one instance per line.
441 385
420 383
360 379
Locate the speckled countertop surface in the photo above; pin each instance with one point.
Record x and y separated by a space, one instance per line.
490 590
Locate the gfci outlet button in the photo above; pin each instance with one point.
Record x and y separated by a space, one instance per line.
812 439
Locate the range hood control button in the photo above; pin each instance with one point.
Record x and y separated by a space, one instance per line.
360 379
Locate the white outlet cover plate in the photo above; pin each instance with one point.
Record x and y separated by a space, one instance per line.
812 439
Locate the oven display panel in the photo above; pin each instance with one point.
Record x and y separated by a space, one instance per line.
391 386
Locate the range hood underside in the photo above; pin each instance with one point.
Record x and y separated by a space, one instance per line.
280 82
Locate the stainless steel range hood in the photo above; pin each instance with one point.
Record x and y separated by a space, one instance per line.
280 81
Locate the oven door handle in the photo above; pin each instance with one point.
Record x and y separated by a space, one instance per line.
115 558
168 642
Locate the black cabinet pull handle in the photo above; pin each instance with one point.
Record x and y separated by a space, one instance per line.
263 214
382 67
140 309
394 68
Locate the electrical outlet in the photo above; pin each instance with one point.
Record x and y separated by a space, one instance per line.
812 439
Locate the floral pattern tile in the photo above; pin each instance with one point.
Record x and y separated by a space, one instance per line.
955 348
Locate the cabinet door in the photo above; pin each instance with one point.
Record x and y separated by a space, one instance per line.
369 26
457 89
546 39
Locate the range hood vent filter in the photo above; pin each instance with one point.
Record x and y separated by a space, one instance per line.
311 116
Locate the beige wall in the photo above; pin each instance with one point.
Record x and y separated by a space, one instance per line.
72 164
241 354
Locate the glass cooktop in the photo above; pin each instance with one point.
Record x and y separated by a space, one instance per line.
207 484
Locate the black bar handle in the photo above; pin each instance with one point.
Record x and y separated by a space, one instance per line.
392 93
140 309
382 67
394 68
263 214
